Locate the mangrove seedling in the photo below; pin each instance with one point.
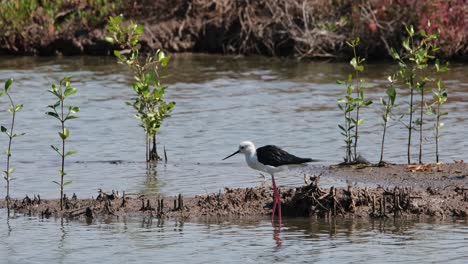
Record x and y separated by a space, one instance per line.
359 99
388 105
413 65
12 109
151 108
440 97
348 104
62 114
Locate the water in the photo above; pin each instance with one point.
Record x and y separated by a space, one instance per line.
30 240
220 102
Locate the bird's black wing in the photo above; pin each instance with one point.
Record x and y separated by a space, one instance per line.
274 156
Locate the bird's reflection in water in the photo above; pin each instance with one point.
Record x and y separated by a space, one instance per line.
276 234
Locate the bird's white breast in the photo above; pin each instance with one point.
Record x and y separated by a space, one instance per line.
253 163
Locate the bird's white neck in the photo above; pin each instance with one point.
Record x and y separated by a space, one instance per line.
252 161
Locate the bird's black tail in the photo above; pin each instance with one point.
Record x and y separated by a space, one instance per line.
305 160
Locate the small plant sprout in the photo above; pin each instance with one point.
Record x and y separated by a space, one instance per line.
12 109
360 99
388 105
440 97
149 103
348 104
413 70
62 113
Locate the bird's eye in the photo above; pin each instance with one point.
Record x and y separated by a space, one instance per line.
242 147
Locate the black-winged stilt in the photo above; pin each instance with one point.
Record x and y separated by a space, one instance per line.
270 159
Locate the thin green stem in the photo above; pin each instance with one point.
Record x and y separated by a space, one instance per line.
10 139
410 125
437 132
358 105
62 174
421 125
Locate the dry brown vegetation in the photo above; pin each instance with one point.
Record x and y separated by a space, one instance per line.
299 28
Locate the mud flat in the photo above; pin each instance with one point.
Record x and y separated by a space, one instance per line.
437 191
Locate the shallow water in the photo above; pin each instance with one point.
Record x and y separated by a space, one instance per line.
301 240
220 102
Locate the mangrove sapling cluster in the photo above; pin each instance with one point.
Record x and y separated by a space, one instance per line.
388 105
413 69
351 106
12 109
151 108
62 113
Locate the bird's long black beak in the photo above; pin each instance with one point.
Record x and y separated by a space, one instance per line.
231 155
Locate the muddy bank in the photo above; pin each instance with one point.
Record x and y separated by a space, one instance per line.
302 29
441 193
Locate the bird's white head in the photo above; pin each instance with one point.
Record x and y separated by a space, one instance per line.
245 147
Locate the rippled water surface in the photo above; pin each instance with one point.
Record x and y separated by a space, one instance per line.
220 102
30 240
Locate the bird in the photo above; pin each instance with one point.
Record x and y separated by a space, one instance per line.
270 159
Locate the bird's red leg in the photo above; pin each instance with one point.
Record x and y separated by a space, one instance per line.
279 206
276 201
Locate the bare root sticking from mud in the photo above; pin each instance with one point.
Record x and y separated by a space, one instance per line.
442 192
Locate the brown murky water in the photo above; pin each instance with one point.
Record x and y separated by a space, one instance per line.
220 102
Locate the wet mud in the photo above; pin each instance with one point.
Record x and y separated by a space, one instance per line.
438 191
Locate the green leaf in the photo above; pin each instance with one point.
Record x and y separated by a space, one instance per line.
4 129
55 92
140 29
11 170
8 84
61 172
69 91
109 39
395 54
66 79
53 115
354 63
70 117
70 153
56 149
65 134
165 61
18 107
74 109
54 105
18 135
360 122
391 92
56 182
406 45
66 183
117 54
410 30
